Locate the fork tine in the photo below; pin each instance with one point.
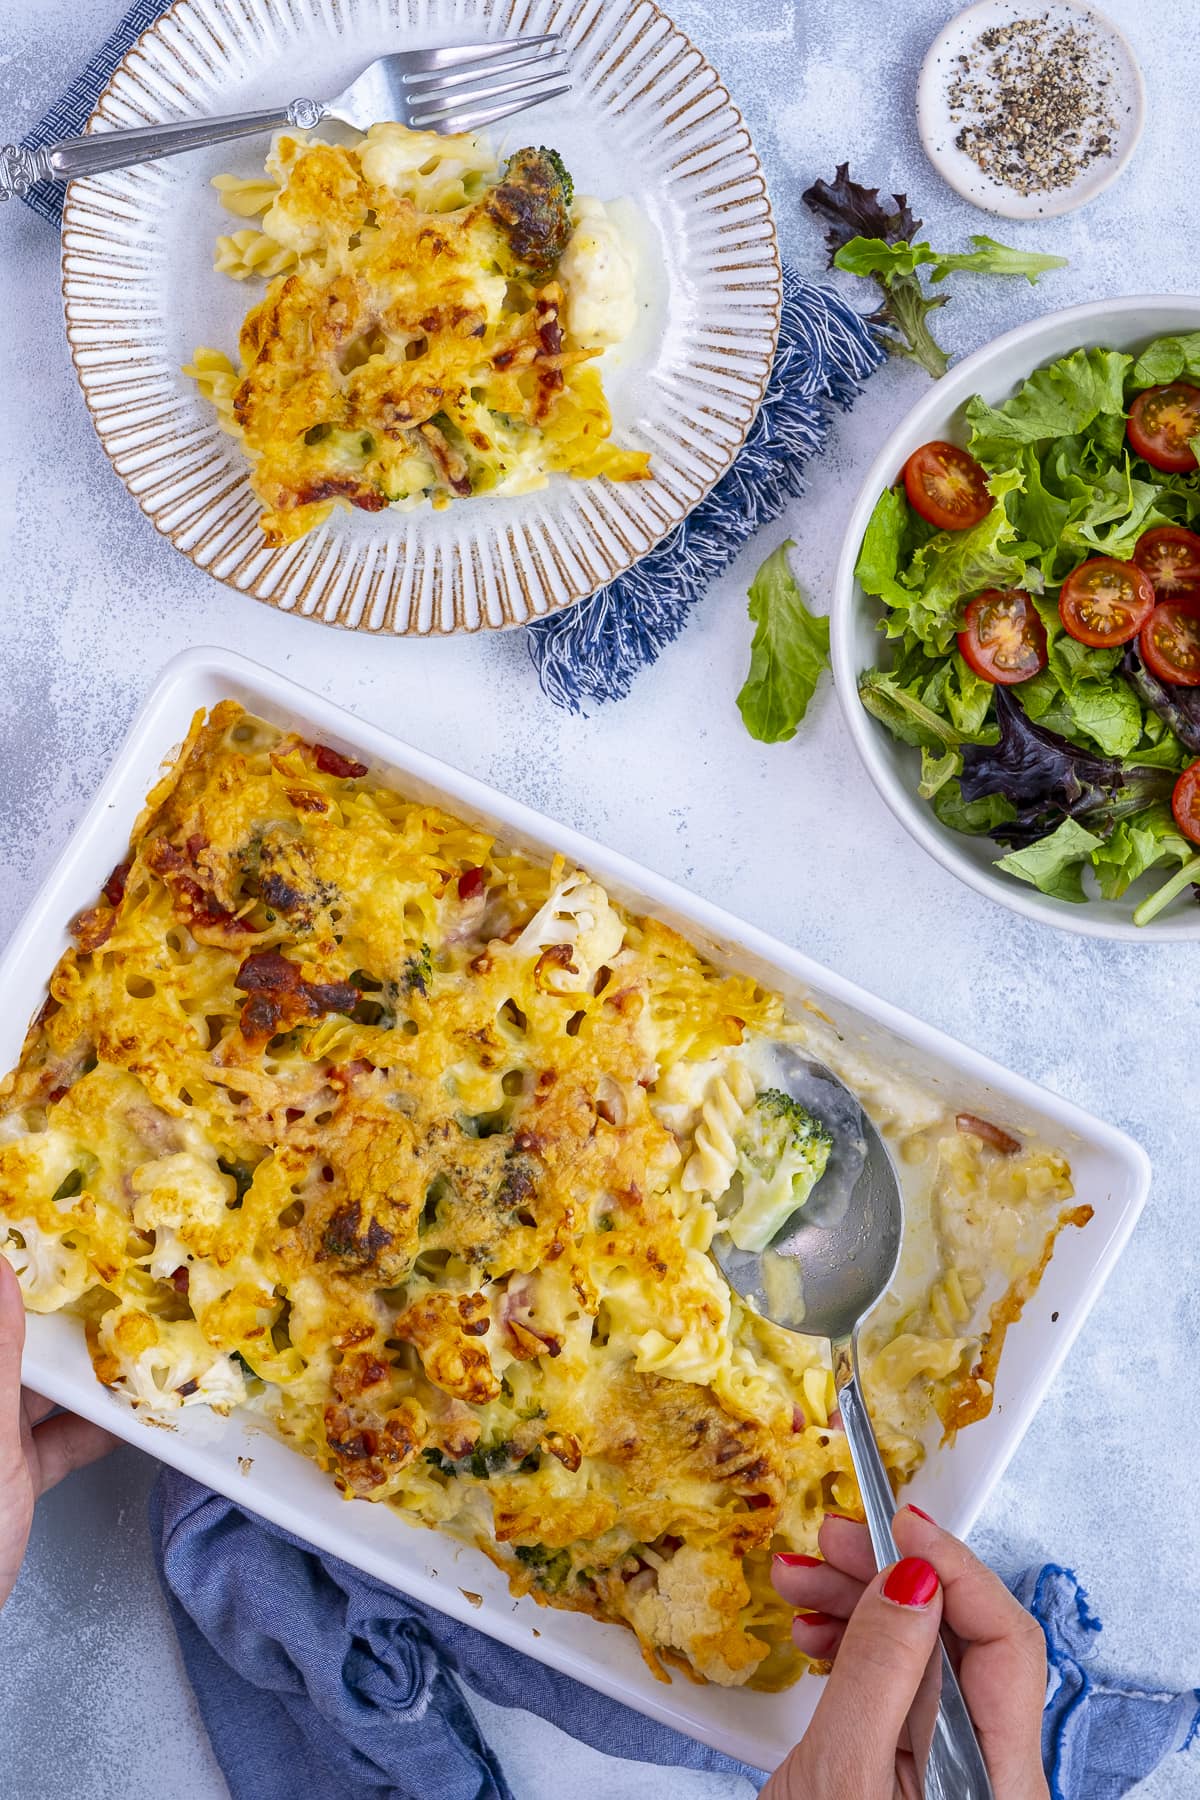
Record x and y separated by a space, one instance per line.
416 61
475 121
426 82
433 110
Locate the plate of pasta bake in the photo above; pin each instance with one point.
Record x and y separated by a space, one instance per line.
414 383
363 1148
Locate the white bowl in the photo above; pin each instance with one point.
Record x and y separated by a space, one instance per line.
856 644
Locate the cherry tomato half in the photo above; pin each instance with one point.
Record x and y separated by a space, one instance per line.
1160 423
1002 638
947 487
1106 602
1170 556
1169 644
1185 802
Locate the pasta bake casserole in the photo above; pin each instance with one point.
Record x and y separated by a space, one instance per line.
344 1111
430 330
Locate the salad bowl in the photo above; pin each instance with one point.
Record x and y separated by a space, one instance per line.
857 644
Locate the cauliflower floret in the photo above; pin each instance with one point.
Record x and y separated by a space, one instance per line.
695 1607
52 1274
578 913
163 1365
432 168
185 1194
598 275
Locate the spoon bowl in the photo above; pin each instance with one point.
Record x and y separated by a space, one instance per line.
822 1273
835 1258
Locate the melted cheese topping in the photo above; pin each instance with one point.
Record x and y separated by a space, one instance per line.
339 1106
399 352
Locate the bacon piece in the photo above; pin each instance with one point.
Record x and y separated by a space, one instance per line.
332 762
180 1279
972 1126
279 997
470 883
450 463
93 928
114 888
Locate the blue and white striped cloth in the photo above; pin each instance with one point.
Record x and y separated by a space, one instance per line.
591 652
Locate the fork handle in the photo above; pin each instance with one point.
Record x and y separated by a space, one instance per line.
955 1769
101 150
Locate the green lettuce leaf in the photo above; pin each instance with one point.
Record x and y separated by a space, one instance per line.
952 566
1059 401
977 818
787 654
1054 865
1134 846
875 256
1081 693
905 715
884 549
936 771
1168 359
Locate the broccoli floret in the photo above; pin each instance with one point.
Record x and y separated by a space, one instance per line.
418 972
782 1152
561 170
531 205
550 1568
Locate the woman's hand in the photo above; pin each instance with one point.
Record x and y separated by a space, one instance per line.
35 1450
881 1630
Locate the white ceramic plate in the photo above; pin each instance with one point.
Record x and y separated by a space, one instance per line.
1111 1173
939 129
856 644
647 119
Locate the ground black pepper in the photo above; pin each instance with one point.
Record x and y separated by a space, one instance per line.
1034 102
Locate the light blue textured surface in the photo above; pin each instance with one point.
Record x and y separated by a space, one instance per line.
91 1698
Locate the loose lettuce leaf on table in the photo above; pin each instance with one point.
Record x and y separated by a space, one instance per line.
789 649
875 256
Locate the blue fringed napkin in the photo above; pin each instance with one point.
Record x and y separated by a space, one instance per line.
315 1679
591 652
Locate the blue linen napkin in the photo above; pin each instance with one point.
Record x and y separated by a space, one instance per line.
313 1678
592 651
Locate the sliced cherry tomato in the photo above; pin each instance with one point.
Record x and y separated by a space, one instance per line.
1169 644
1161 421
1185 802
947 486
1002 638
1106 602
1170 556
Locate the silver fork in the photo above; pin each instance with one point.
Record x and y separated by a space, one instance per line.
462 88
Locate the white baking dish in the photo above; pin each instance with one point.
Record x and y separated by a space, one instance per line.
1111 1172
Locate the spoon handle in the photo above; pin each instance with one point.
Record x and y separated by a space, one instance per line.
955 1768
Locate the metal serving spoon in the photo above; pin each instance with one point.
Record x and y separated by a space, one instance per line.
461 88
822 1274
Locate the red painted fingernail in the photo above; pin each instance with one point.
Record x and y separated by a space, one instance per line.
792 1559
913 1582
850 1520
920 1514
816 1619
